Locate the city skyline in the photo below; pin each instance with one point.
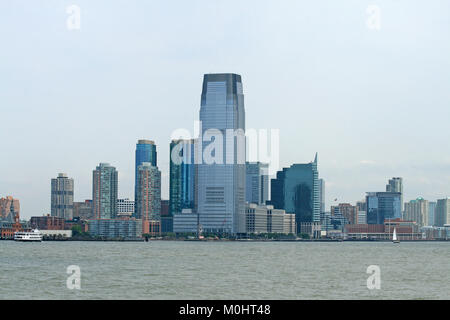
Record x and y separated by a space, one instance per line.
344 91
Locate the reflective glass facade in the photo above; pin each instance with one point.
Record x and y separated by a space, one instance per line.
256 182
221 184
296 190
182 176
382 206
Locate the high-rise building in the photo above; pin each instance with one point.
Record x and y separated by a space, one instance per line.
396 185
145 152
322 195
257 182
83 210
382 206
148 198
431 213
417 211
62 197
349 212
221 154
182 176
296 190
104 191
442 212
9 207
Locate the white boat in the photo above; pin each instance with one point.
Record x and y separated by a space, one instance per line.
394 237
33 236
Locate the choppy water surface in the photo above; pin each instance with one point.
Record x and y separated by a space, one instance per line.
224 270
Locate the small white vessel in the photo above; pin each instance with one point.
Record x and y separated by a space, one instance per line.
34 235
394 237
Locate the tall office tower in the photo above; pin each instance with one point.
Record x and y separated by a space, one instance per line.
8 208
62 197
417 210
382 206
431 213
182 176
296 190
256 182
349 212
148 194
442 212
322 195
104 191
221 154
396 185
145 152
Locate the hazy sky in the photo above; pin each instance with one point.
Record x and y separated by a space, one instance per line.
373 103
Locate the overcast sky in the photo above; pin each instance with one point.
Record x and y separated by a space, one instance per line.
374 103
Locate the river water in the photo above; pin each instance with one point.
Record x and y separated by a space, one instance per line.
224 270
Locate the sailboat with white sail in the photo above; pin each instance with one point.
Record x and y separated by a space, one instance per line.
394 237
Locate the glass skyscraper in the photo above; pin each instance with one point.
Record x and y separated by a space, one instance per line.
221 158
104 191
182 176
296 190
257 182
382 206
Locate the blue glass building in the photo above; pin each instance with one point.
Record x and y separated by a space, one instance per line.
382 206
221 183
296 190
182 176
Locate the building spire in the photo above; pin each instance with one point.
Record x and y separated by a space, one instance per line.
315 159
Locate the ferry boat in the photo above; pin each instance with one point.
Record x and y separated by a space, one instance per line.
34 235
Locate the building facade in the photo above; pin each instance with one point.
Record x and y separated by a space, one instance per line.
417 210
104 191
83 210
431 213
266 219
145 152
125 207
221 154
256 182
148 198
296 190
322 195
442 212
182 176
115 228
47 223
396 185
348 211
382 206
62 189
9 207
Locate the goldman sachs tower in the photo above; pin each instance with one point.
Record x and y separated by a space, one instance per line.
220 194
